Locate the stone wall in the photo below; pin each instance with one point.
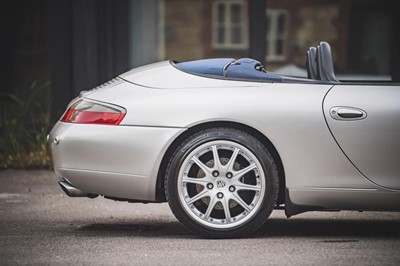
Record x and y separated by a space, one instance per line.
184 29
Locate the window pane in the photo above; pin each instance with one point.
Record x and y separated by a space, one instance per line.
279 47
268 24
221 13
281 23
220 35
236 35
235 13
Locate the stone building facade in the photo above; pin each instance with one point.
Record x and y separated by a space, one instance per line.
292 26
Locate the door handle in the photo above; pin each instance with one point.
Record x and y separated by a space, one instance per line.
347 113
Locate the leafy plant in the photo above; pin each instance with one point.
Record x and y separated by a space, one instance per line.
24 123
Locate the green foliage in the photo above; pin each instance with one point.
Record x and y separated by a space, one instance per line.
24 124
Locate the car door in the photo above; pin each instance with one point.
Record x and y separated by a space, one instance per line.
365 122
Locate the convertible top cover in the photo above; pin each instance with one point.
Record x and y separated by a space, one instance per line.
244 68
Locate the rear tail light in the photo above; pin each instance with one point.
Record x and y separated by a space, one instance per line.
87 112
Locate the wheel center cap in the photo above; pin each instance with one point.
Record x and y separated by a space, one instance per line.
221 184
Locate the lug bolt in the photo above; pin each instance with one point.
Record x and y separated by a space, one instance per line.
229 175
210 186
215 173
231 188
220 195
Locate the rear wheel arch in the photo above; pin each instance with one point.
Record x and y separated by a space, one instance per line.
160 192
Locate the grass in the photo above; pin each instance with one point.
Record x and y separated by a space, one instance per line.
24 125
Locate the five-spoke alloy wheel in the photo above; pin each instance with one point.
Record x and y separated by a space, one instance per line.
221 183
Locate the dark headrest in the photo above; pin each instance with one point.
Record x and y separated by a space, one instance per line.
325 69
311 63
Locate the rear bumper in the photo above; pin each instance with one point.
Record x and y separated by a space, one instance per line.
116 161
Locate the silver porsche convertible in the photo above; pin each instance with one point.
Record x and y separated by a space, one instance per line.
225 142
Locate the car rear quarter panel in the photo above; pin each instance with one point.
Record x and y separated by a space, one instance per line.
289 115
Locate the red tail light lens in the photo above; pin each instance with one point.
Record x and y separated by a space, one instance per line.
87 112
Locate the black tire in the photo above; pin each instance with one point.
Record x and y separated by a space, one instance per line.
242 186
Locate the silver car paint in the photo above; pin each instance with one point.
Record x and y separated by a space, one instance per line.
116 161
373 143
159 109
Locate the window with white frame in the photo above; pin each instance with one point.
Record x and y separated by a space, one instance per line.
277 23
229 24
